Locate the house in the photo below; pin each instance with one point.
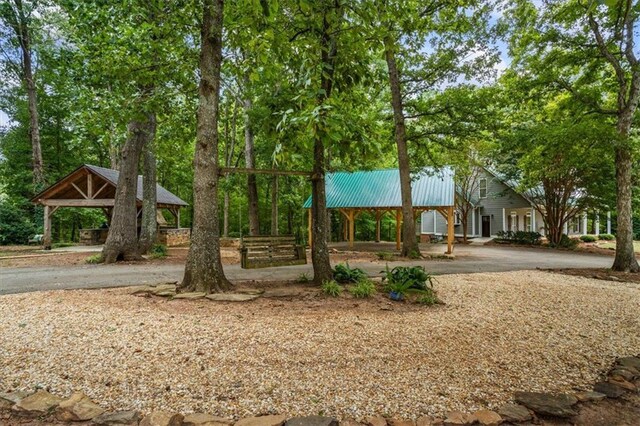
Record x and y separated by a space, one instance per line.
499 206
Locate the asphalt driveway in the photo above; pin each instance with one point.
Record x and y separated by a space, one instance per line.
469 259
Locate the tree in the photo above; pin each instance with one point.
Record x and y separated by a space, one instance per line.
19 17
588 49
149 226
467 178
203 269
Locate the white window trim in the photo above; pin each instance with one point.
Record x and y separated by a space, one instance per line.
486 188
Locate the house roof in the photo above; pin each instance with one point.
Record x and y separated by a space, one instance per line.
381 189
68 186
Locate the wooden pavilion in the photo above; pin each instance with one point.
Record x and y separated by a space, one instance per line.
91 186
378 192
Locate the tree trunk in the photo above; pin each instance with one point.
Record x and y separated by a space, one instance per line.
410 246
625 259
274 205
203 269
122 241
149 226
250 160
21 28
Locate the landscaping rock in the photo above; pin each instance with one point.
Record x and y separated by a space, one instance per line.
190 296
375 421
166 293
622 373
609 389
162 418
37 404
201 419
515 413
274 420
455 418
630 361
487 418
141 289
118 418
232 297
312 421
559 405
623 384
7 399
590 396
400 422
425 421
78 408
350 422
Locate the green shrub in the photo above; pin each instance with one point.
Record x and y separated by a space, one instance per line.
158 251
520 237
96 258
331 288
15 226
588 238
384 255
429 298
566 242
363 289
344 274
606 237
415 276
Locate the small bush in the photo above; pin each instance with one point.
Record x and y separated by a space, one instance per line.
384 255
415 276
344 274
331 288
158 251
565 242
606 237
588 238
520 237
429 298
363 289
303 278
96 258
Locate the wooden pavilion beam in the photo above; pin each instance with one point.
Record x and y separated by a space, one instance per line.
70 202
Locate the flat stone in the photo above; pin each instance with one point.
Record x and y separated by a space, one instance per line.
609 389
623 384
350 422
162 418
141 289
118 418
37 404
78 408
274 420
190 296
515 413
400 422
487 418
202 419
455 418
166 293
232 297
425 421
312 421
630 361
590 396
559 405
375 421
622 373
7 399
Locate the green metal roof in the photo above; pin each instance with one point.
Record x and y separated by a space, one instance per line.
381 189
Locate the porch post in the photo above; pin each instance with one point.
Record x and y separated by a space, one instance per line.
504 220
534 228
597 223
352 228
473 221
566 228
450 230
398 229
46 238
435 222
584 223
608 222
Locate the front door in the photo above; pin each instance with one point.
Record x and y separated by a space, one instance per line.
486 226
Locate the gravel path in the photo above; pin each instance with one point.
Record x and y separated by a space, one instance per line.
498 333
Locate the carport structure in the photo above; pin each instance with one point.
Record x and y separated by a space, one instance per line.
378 192
91 186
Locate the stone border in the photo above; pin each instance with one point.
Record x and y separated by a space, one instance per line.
44 407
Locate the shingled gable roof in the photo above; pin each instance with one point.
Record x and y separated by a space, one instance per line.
164 197
381 189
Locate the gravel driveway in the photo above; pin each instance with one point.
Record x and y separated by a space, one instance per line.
468 259
498 333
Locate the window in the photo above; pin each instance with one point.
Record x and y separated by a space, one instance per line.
483 188
513 226
527 222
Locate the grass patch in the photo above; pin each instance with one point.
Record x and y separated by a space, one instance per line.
303 278
95 259
60 245
331 288
363 289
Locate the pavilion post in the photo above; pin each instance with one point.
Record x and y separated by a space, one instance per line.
352 228
178 218
398 228
309 229
378 218
450 230
46 238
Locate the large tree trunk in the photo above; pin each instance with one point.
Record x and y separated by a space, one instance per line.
250 161
274 205
625 259
122 241
149 226
20 25
203 269
410 245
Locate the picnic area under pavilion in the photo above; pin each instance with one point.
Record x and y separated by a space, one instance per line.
91 186
378 192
